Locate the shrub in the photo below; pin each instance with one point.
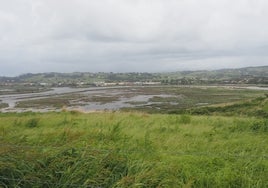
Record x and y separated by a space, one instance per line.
31 123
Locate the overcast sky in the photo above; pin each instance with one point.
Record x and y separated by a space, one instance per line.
131 35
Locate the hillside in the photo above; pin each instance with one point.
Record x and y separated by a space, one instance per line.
249 75
132 150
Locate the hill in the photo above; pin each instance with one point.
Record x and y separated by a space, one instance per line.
249 75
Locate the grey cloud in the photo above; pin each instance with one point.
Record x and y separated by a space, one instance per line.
128 35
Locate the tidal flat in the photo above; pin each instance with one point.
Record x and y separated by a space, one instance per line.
155 99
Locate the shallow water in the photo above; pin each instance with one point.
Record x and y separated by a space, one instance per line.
124 97
127 98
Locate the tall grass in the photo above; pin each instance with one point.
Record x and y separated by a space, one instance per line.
132 150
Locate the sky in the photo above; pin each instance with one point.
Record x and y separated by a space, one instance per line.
131 35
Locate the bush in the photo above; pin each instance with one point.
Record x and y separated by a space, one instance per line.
31 123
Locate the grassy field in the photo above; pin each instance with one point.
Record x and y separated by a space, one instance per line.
72 149
257 107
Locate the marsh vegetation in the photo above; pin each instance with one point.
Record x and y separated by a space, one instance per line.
156 99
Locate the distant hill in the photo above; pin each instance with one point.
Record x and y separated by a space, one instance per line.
234 73
248 75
